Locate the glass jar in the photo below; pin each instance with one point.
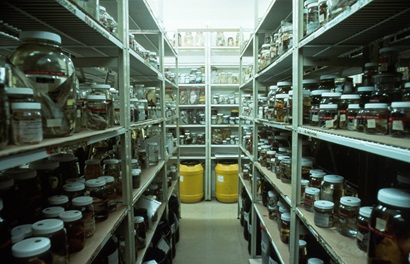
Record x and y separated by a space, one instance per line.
400 119
302 252
37 248
140 228
97 111
332 189
68 165
345 100
272 211
105 90
285 227
312 16
280 107
188 39
307 165
405 97
323 12
311 196
58 200
98 190
363 231
316 178
389 227
52 212
74 224
220 39
92 169
303 185
323 213
112 192
328 116
286 38
327 82
26 123
52 73
54 230
285 166
361 120
330 98
370 69
73 190
153 152
388 60
352 111
136 178
348 212
84 204
315 98
49 175
365 93
377 118
112 168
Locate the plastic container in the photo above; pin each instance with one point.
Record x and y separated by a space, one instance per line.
399 122
26 123
226 173
323 213
362 223
191 181
37 248
73 223
377 118
98 190
348 212
84 204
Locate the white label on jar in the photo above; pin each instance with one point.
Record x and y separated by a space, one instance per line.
343 118
220 178
54 122
322 220
397 125
359 236
371 123
181 178
381 224
315 118
329 123
28 131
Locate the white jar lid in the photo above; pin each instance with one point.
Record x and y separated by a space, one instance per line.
315 170
323 204
111 161
40 35
19 236
310 81
318 174
134 99
353 106
400 104
304 182
95 97
282 96
92 162
285 217
26 105
328 106
101 86
71 215
134 161
93 183
375 106
284 84
315 261
57 199
283 157
44 164
331 94
107 179
283 209
302 243
64 157
394 197
371 64
365 89
21 173
312 190
307 163
350 201
138 219
350 96
82 200
273 87
74 187
26 229
319 92
388 49
136 172
306 93
271 194
271 152
53 211
327 76
31 247
47 226
333 178
19 91
407 85
366 211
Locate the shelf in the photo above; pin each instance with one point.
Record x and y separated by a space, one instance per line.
193 126
247 50
280 125
284 189
224 146
169 84
277 11
104 230
141 69
147 176
190 157
247 84
246 153
225 48
184 48
192 146
271 226
384 145
192 106
192 85
247 185
278 70
146 123
225 105
343 249
227 125
224 85
13 155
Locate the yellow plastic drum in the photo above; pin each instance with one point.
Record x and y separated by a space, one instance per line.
192 181
226 172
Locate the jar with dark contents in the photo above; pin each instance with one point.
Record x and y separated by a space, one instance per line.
388 60
112 192
26 123
352 111
285 227
84 204
399 122
311 196
285 166
323 213
303 185
365 92
370 69
307 165
141 229
49 175
361 120
97 189
303 252
322 12
345 101
405 96
389 227
74 224
316 178
362 223
142 158
280 107
310 84
402 180
328 116
272 211
136 178
377 118
348 212
386 88
315 98
52 212
54 230
35 250
307 104
58 200
74 189
68 164
92 169
327 82
332 189
344 85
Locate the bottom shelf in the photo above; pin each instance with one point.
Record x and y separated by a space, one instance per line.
255 261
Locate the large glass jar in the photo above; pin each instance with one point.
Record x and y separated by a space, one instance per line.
348 212
352 111
312 16
377 119
285 227
315 98
104 89
49 175
328 117
345 100
98 190
323 213
92 169
39 60
84 204
97 112
68 164
112 192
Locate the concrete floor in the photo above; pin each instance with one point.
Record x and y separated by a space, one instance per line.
211 233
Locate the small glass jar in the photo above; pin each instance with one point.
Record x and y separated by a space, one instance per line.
74 189
280 107
136 178
332 189
98 191
323 12
68 164
26 123
285 166
92 169
315 98
389 227
365 93
312 16
388 60
352 111
112 192
74 224
84 204
316 178
345 101
245 174
97 112
303 252
37 248
348 212
52 212
272 210
328 116
311 196
327 82
377 118
140 228
49 175
400 119
153 153
58 200
285 227
112 167
323 213
363 231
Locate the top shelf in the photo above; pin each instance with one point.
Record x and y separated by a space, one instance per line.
277 11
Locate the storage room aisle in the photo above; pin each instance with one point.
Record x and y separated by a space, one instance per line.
211 233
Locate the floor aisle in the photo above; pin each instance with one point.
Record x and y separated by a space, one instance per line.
211 233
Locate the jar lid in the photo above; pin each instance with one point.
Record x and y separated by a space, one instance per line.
19 91
74 187
134 161
265 46
143 101
273 87
312 190
400 104
328 76
333 178
82 200
284 84
331 94
365 89
318 174
388 49
302 243
286 160
111 161
134 99
315 261
328 106
266 146
40 35
304 182
315 170
131 106
285 217
138 219
375 106
19 174
92 162
407 85
319 92
323 204
93 183
307 163
64 157
137 172
107 179
52 211
6 182
282 96
371 64
71 215
283 209
271 152
57 199
26 229
366 211
350 96
26 105
263 98
353 106
350 201
403 177
31 247
283 157
394 197
47 226
310 81
306 93
44 164
96 97
17 237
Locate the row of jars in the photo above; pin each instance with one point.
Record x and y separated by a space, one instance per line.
191 96
224 77
224 136
149 56
232 98
192 116
191 138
